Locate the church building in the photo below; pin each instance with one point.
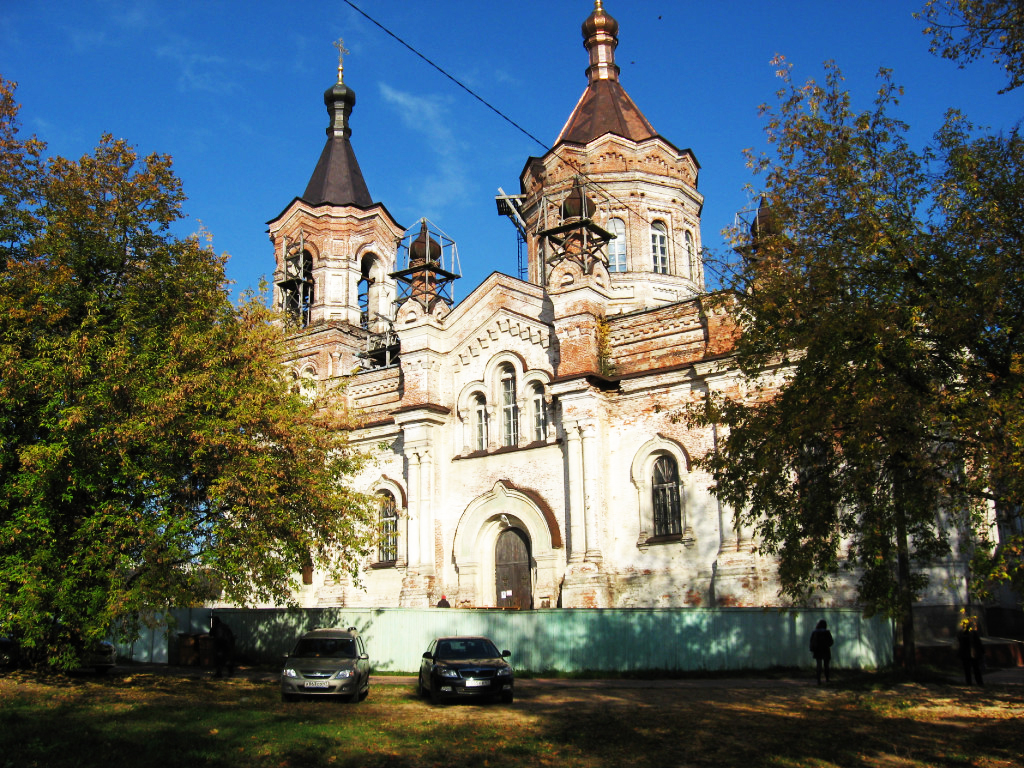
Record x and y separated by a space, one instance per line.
531 459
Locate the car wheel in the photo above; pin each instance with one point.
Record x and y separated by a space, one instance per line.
420 690
436 696
508 697
361 692
424 690
289 697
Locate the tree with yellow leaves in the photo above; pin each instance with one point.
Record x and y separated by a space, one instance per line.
152 454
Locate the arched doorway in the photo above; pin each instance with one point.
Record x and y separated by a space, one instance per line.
512 570
475 549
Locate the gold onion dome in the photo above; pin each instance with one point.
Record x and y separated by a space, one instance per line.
600 21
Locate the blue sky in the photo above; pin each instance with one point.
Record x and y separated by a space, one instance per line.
233 91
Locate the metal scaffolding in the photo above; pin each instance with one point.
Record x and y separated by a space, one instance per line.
431 261
296 284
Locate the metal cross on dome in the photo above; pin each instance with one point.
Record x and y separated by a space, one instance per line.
342 50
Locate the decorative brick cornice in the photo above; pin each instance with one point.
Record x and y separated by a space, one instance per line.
429 407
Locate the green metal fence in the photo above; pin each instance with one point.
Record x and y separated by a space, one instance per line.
576 640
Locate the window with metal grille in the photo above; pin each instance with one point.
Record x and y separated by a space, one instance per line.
659 247
691 253
387 549
509 410
617 246
667 513
479 424
540 420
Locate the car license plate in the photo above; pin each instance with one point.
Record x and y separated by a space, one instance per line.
476 683
317 684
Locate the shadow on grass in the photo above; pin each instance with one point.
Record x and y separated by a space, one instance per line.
155 722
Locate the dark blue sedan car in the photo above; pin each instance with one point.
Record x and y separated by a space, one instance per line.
465 667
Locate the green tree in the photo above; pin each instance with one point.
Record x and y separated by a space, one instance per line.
977 291
20 174
878 334
966 30
152 453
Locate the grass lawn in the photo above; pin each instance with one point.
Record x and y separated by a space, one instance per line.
147 720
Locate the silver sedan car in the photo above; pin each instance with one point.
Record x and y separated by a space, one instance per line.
327 662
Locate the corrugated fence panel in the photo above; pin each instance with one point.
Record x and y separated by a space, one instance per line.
154 644
578 640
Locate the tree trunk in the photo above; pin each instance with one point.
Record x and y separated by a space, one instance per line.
905 594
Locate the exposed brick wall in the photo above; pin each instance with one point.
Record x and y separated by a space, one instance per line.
669 336
375 392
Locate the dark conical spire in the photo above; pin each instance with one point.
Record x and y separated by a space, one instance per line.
604 107
337 180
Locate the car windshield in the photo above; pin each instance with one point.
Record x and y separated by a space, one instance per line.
469 648
325 647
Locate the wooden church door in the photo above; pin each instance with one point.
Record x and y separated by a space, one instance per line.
512 570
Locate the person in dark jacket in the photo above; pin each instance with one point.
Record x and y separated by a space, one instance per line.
223 647
821 649
970 649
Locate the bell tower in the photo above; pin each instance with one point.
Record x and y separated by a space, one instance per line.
612 196
335 248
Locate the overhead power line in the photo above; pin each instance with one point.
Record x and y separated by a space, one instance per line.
461 85
568 160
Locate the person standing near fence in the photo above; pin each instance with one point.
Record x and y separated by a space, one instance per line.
223 647
821 649
970 649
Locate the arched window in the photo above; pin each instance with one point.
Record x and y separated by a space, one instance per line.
538 414
691 253
369 291
305 383
364 302
665 490
387 526
509 409
479 416
1009 521
660 472
659 247
617 246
